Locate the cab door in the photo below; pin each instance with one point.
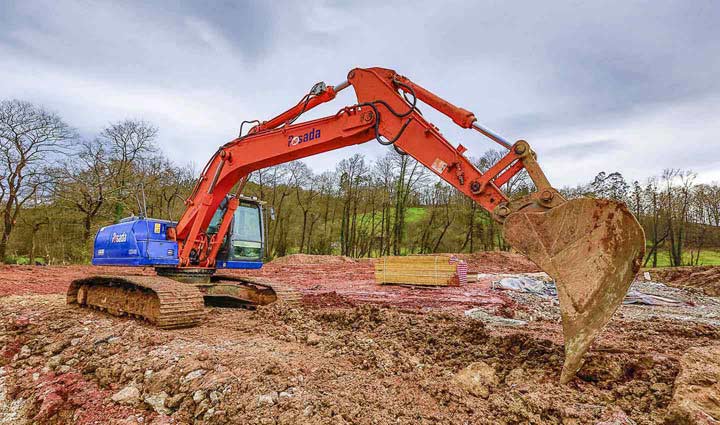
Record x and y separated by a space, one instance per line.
245 242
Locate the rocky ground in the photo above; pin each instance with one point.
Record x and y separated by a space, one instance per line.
354 353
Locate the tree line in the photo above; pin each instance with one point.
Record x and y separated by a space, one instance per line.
57 189
680 216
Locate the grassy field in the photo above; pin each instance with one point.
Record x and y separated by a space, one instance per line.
412 215
707 258
23 260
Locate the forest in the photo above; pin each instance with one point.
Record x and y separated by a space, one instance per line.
57 188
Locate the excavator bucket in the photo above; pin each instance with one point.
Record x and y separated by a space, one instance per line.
592 248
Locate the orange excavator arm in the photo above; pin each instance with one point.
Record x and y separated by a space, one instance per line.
383 113
591 247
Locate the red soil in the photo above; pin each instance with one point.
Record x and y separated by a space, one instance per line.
323 281
706 278
25 280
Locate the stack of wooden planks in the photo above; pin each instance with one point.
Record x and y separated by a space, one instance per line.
428 270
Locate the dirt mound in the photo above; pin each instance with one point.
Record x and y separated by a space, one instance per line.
498 262
353 281
494 262
706 278
20 280
362 365
479 262
342 358
298 259
695 399
327 299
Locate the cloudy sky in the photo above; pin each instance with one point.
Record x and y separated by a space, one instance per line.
629 86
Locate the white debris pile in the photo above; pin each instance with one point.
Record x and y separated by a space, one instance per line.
489 319
527 284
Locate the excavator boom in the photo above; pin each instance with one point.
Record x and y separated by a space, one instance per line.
590 247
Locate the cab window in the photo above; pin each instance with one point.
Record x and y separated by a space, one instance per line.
246 243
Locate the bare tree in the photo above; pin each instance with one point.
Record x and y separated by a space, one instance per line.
653 218
274 187
410 175
129 142
177 181
610 186
35 224
303 182
85 182
327 186
110 169
30 137
678 210
353 173
383 179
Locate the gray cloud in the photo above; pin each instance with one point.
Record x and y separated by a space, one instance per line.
564 75
584 149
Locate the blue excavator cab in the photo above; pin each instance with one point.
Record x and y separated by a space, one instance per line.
142 242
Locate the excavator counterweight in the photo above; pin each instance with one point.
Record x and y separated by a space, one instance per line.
590 247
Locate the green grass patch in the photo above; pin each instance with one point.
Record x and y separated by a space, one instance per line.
23 260
708 257
414 214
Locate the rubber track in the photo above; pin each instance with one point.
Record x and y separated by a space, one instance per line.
181 304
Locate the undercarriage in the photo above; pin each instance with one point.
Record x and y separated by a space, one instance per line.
175 298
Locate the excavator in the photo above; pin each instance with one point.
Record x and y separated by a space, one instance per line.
592 248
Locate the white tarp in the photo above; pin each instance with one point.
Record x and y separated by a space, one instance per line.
526 284
547 289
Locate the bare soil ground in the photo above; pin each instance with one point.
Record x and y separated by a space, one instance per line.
354 353
706 278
